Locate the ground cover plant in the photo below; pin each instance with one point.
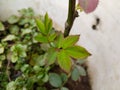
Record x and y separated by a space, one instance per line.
35 56
30 49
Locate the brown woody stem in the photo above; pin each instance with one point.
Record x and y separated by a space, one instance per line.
72 14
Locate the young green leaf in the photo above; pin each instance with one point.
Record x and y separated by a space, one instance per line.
1 49
37 59
36 68
51 56
46 19
40 60
9 38
26 31
2 57
69 41
48 23
29 83
2 28
77 52
19 50
14 29
75 74
59 40
30 12
41 38
45 78
26 12
52 37
14 57
55 80
24 67
45 46
23 21
13 19
82 71
11 86
64 61
64 77
40 26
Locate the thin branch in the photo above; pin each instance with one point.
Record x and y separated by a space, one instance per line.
72 14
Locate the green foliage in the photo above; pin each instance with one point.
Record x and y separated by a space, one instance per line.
69 41
30 51
58 81
55 80
41 26
78 71
18 52
64 61
75 74
51 56
41 38
1 49
9 38
44 26
2 28
11 86
64 47
13 19
77 52
82 71
14 29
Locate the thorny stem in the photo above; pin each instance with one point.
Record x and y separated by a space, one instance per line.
72 14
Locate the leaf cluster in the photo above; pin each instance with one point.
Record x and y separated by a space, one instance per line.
30 51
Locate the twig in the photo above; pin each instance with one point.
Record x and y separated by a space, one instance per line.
72 14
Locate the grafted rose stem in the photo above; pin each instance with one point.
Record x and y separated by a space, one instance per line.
87 6
71 17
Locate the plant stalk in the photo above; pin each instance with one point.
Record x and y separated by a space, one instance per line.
72 14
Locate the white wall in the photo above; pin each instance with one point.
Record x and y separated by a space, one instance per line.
56 10
103 43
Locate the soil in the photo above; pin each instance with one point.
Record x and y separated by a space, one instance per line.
82 84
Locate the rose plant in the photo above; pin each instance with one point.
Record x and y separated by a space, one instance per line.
35 56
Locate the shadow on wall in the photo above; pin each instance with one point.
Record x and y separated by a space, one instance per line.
99 34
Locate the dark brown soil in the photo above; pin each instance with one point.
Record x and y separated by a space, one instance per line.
83 84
